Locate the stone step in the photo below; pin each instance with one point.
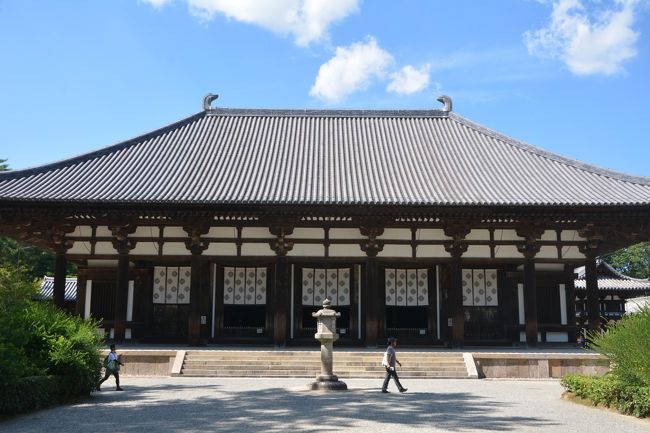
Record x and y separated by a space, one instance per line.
420 363
315 368
218 363
367 375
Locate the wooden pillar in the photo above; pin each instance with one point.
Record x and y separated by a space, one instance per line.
456 310
280 303
532 231
60 270
123 245
593 302
456 248
371 303
194 321
530 301
56 235
594 237
196 246
80 304
371 300
571 302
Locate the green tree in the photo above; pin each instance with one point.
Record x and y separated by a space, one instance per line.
633 261
35 261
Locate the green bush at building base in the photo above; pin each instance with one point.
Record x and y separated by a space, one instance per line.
627 388
610 392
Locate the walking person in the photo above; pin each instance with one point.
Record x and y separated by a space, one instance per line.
112 365
390 359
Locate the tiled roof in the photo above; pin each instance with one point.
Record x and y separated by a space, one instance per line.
235 156
47 288
610 279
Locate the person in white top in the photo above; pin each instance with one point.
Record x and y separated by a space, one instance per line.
390 359
112 365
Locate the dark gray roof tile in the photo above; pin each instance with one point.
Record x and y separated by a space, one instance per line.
228 156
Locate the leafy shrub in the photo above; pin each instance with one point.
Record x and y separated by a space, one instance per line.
64 345
627 344
15 295
28 393
41 344
612 392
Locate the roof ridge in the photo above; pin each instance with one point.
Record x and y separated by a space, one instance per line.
591 168
12 174
621 275
308 112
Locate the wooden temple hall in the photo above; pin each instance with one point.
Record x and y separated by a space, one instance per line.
234 225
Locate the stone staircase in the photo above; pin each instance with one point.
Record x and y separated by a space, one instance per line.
303 363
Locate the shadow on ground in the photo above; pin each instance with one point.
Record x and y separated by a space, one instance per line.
279 409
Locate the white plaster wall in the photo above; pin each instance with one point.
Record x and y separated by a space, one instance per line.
572 252
144 248
506 235
478 235
346 250
221 249
549 235
549 267
427 251
396 251
104 248
307 250
146 232
175 232
307 233
396 234
222 232
83 231
547 252
103 231
345 234
256 232
570 235
431 235
506 251
478 251
175 249
80 248
257 250
98 263
557 337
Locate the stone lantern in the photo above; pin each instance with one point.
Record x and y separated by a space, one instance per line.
326 334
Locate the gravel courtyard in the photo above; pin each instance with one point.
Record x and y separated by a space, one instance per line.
279 405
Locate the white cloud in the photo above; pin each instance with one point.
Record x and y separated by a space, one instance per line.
588 41
351 69
306 20
409 80
156 3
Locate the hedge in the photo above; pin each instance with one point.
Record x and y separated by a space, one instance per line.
36 392
611 392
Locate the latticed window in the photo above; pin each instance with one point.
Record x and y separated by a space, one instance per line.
318 284
480 287
244 286
171 285
407 287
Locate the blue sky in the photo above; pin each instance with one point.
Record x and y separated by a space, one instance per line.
569 76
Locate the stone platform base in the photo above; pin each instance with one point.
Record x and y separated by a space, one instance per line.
328 385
